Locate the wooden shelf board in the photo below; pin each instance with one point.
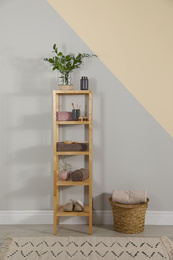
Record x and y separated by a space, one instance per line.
61 212
72 153
73 92
69 182
73 122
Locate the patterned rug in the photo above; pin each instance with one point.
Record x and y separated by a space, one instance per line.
77 248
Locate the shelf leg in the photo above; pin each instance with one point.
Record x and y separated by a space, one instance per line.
57 221
57 199
90 208
54 217
55 227
90 225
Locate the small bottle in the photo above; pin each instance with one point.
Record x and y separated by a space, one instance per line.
84 83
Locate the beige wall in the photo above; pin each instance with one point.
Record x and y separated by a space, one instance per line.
134 40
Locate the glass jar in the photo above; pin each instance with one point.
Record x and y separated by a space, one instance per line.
65 79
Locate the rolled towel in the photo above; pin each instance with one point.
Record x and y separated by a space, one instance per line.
129 197
79 175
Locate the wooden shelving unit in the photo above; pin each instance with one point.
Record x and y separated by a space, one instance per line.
58 209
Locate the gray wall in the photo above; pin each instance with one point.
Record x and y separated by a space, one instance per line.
130 149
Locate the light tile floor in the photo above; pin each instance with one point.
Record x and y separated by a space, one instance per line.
78 230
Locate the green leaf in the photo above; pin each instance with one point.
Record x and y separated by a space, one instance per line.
60 54
68 58
51 60
79 56
62 61
60 66
68 64
55 48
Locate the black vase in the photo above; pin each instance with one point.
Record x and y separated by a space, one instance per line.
84 83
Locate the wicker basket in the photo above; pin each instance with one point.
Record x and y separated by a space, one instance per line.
129 219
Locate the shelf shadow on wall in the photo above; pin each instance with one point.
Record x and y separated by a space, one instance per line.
27 132
101 202
30 191
41 121
32 155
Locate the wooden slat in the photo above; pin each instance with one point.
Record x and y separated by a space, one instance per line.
73 92
72 153
69 182
61 212
73 122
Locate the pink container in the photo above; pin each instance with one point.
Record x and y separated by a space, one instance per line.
64 116
64 175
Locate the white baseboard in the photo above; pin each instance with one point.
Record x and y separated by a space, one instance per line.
99 217
159 218
152 217
13 217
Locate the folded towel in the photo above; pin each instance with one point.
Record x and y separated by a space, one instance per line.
129 197
78 205
64 116
64 147
79 175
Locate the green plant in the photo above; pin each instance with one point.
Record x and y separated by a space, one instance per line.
66 63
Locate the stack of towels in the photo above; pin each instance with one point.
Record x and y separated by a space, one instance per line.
129 197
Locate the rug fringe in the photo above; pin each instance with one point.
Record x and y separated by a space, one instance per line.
169 246
5 247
